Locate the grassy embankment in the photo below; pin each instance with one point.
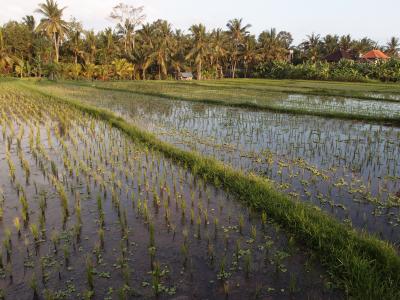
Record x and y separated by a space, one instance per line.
364 266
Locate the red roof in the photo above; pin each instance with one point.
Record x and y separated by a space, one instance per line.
375 54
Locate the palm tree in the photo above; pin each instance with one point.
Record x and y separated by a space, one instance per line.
393 47
145 55
75 44
126 33
311 46
91 47
178 51
143 59
249 53
200 47
163 43
273 45
345 42
238 32
52 24
364 45
331 43
109 47
29 22
218 51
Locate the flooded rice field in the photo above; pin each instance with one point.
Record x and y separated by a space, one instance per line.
348 168
340 104
88 213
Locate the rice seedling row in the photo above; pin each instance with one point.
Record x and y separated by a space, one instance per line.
350 169
88 213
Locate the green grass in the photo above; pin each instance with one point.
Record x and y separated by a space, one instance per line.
258 94
361 264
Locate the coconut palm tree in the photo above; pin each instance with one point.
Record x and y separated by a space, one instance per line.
30 22
273 45
364 45
178 51
145 55
393 47
163 43
250 53
143 58
52 24
238 32
75 44
91 46
199 49
218 51
345 42
330 43
311 46
109 47
126 32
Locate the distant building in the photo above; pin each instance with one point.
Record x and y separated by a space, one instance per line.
185 76
374 55
339 55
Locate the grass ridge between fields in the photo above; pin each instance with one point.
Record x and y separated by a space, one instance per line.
361 264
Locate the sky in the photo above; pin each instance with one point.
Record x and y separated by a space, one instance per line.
376 19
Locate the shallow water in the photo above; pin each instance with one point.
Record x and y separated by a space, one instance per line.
351 169
130 190
340 104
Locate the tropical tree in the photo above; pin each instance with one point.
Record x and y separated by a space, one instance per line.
199 49
364 45
393 47
311 47
128 18
19 67
52 24
5 58
330 44
145 55
123 68
91 47
90 70
30 22
274 45
218 51
345 42
249 53
108 49
237 32
75 44
178 51
162 46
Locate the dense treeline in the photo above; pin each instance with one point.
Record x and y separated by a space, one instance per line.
344 70
134 49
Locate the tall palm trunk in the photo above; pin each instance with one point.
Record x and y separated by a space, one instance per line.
144 73
56 47
199 70
234 68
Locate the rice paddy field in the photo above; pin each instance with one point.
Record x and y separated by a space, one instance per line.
230 189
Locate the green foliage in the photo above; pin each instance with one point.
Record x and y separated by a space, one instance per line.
344 70
134 50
